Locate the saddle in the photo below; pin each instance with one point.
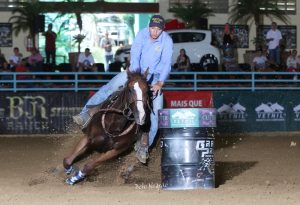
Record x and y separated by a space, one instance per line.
106 104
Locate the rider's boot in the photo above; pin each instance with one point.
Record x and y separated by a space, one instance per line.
82 119
141 148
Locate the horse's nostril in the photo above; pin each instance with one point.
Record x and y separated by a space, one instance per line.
140 121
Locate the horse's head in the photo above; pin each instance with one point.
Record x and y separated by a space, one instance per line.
138 98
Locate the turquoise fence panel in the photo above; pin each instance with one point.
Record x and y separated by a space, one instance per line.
244 111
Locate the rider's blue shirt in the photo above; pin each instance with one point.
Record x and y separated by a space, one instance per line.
155 55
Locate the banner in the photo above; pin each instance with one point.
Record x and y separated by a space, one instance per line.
188 99
237 111
246 111
39 113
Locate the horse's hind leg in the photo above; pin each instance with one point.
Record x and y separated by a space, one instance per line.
79 149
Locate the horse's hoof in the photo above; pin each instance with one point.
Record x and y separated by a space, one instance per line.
69 181
126 174
73 180
70 170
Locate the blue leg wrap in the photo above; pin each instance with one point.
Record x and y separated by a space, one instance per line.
76 178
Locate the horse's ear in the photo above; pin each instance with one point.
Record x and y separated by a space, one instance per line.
146 72
129 73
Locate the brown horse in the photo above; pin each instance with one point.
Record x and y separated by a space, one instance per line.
113 128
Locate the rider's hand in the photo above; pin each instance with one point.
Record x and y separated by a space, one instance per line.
156 88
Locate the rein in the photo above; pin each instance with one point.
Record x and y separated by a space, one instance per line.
117 111
126 112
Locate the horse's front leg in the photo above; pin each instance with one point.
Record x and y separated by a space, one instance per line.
90 166
79 149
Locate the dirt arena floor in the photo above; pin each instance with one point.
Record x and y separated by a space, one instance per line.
250 169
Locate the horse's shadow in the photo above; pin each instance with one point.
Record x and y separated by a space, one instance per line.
226 140
110 171
225 171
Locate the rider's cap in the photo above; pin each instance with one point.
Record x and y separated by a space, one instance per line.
157 21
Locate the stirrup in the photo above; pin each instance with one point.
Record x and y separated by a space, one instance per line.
82 120
86 123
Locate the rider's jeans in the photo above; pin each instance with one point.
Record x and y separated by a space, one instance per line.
113 85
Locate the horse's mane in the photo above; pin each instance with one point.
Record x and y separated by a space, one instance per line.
135 76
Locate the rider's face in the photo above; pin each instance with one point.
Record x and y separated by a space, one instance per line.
155 32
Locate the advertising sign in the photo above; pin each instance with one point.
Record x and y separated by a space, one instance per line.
38 113
257 111
188 99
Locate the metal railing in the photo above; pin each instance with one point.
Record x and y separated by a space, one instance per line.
193 81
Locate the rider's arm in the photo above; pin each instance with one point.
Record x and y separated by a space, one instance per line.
164 66
136 51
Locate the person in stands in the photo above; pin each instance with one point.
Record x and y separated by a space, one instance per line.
50 47
183 61
86 62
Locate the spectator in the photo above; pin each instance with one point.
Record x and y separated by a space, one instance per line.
15 59
229 62
260 61
86 62
35 61
2 60
5 69
293 62
228 42
273 38
107 44
227 36
22 67
50 47
183 61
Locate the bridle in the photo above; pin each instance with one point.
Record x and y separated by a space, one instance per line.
126 112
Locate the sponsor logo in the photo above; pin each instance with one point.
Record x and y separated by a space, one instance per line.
232 113
205 147
296 110
270 112
184 117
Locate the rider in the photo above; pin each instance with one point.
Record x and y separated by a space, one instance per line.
152 48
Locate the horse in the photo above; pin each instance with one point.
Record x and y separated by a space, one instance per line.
113 128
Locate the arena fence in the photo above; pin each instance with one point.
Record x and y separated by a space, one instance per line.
193 81
245 102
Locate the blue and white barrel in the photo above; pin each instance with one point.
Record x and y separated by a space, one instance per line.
187 143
